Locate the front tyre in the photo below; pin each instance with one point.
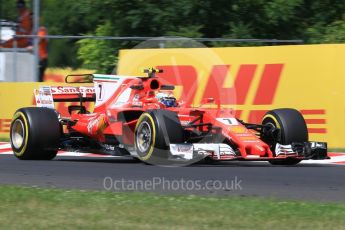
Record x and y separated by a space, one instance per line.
292 128
154 131
35 133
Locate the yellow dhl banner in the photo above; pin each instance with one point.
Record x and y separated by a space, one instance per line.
252 80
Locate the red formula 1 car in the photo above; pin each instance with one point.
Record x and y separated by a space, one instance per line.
140 117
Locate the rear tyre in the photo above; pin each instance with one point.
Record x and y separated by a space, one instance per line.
154 131
35 133
292 128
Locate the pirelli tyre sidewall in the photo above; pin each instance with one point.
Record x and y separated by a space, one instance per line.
35 133
19 121
292 128
154 131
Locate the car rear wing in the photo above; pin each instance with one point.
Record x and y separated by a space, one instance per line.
73 93
45 96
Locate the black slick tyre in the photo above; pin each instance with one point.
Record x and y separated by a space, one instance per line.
154 131
292 128
35 133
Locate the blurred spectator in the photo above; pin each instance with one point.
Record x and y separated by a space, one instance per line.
43 52
24 26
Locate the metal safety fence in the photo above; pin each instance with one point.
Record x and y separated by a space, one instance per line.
12 53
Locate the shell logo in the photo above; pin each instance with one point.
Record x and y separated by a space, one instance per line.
238 129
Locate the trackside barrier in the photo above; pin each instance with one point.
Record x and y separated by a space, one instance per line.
310 78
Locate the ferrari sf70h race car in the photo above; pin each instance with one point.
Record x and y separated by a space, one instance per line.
140 117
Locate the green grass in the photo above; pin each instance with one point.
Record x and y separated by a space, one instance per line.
37 208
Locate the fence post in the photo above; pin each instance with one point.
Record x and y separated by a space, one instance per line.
36 39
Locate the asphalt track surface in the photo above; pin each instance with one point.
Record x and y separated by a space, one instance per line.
318 182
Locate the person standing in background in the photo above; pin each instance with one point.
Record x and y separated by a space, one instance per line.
43 52
24 27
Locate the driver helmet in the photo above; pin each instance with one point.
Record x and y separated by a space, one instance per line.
166 98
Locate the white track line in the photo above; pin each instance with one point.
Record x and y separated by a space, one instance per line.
337 158
4 145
